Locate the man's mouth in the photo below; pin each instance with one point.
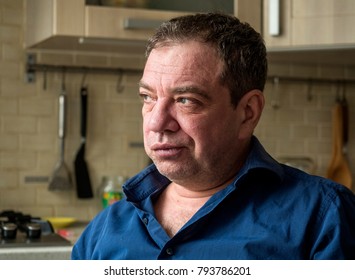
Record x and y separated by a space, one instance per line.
166 150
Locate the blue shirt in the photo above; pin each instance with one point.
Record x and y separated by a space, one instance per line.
270 211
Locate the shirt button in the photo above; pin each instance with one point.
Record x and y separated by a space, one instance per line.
145 221
169 251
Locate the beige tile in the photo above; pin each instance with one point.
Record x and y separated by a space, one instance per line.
19 124
11 52
19 196
48 198
10 69
37 106
18 160
38 142
9 142
10 34
12 16
8 106
8 179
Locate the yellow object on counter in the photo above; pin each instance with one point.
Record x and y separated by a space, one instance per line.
60 222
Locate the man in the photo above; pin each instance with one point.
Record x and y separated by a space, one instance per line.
213 192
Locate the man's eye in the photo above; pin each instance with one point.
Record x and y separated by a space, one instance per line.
184 100
145 97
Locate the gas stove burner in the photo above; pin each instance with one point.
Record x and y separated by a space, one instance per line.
12 221
17 229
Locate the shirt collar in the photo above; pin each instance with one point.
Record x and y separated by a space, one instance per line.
150 180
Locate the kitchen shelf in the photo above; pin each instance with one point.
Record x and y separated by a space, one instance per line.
32 68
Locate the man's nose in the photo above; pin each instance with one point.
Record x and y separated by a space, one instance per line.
162 118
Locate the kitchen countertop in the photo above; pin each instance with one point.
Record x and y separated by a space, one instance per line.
70 233
36 253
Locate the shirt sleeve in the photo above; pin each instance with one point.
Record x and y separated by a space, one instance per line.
335 238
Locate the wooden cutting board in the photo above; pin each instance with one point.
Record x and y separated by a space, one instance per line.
339 170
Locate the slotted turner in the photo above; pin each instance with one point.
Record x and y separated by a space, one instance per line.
61 180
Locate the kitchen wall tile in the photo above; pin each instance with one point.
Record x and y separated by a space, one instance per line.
18 196
15 88
8 180
37 142
297 147
36 211
10 69
10 34
36 106
8 106
19 124
11 52
309 131
9 142
18 160
57 198
12 16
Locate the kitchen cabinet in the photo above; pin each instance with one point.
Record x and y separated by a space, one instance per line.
74 25
311 32
316 24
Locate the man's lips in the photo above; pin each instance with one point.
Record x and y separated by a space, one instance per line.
166 150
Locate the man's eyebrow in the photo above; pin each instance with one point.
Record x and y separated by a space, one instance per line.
190 89
179 90
142 84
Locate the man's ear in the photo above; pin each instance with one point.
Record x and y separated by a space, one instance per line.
250 107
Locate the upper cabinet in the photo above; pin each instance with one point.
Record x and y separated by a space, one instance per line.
310 31
309 24
81 25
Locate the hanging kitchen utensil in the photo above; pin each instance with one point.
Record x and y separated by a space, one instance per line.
339 170
61 179
82 177
275 102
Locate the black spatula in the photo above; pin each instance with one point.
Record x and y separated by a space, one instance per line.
82 177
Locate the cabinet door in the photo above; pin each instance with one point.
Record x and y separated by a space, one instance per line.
323 22
312 23
48 18
139 24
123 23
284 37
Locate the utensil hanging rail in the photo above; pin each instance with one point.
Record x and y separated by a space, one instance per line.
31 70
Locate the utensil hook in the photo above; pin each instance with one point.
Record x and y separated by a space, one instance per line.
83 79
63 80
45 78
340 92
309 91
119 87
275 103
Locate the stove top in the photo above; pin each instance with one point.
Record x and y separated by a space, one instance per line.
20 230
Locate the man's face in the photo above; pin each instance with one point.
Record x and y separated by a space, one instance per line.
190 126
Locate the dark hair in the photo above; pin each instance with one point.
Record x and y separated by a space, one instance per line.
240 47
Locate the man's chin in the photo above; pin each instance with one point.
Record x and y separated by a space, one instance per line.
172 171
